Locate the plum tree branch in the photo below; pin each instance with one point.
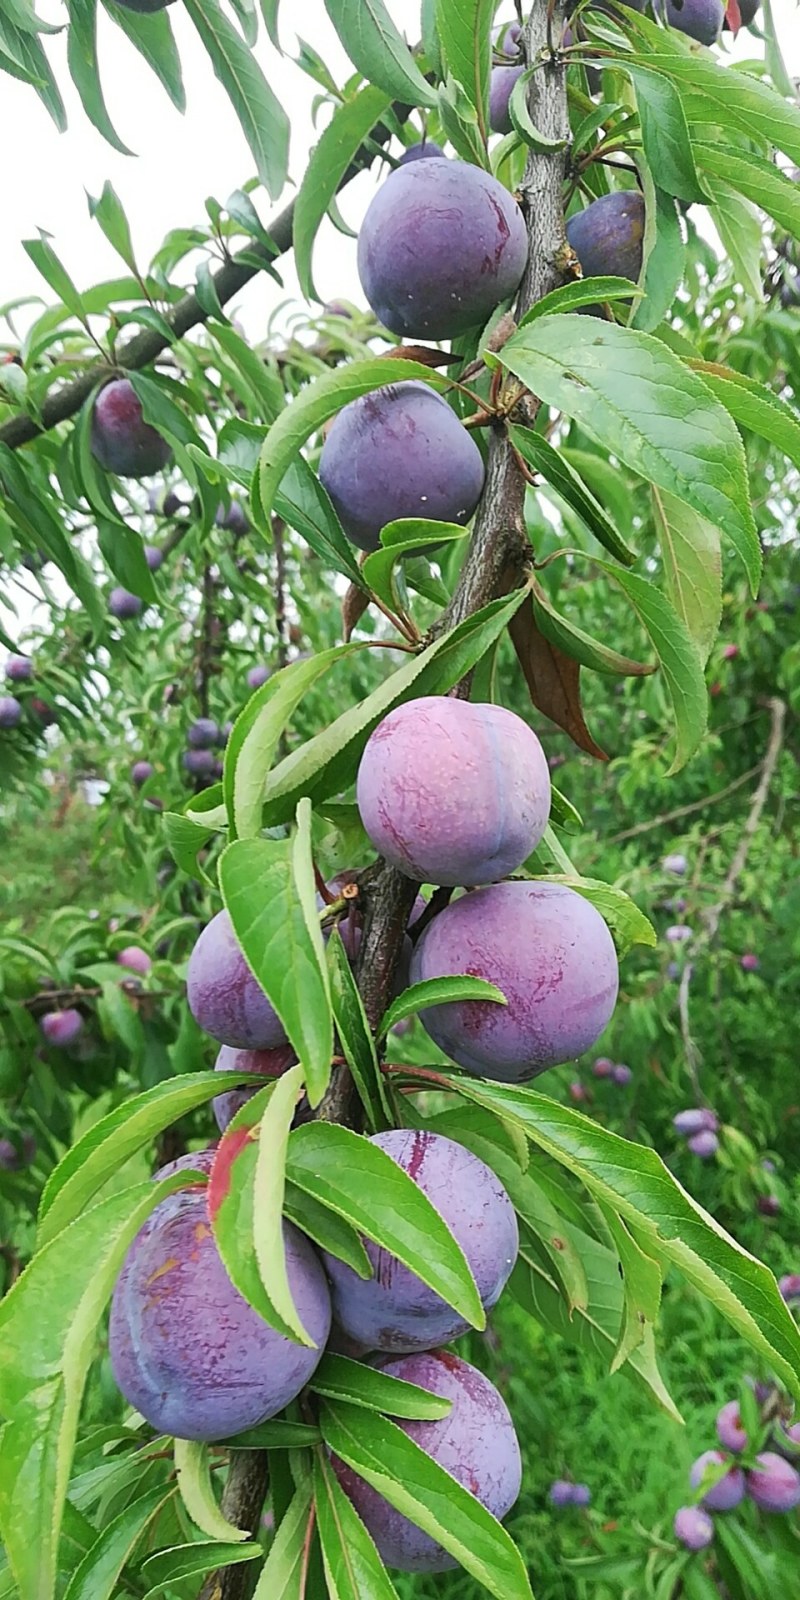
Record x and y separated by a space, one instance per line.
242 1502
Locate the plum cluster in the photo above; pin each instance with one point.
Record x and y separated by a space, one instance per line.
19 670
770 1480
700 1128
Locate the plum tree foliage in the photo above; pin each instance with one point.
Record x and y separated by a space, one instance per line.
305 598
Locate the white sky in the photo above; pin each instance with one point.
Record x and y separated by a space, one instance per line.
181 160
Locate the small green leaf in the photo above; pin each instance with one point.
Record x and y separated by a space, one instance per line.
327 1230
753 406
46 261
437 991
283 1577
268 1191
306 506
572 296
151 34
407 536
354 1034
522 120
739 227
664 253
758 180
193 1469
556 469
690 553
327 165
123 551
263 120
109 212
166 1569
353 1568
97 1575
378 51
341 1379
274 1435
665 135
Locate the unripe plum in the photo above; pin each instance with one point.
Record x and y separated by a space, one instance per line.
140 772
693 1527
607 235
224 997
789 1286
202 733
61 1028
186 1349
123 605
10 711
399 452
550 953
268 1063
728 1492
19 669
699 19
15 1156
453 793
153 556
703 1144
395 1310
696 1120
257 676
730 1430
135 959
121 439
426 150
774 1484
441 245
475 1443
200 763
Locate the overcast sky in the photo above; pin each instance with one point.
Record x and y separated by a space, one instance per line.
182 159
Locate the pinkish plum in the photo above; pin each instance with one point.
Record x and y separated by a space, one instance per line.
550 953
199 763
153 556
453 793
693 1527
773 1483
728 1491
441 246
475 1443
202 733
267 1063
731 1432
135 959
703 1144
399 452
224 997
622 1074
749 962
10 711
789 1286
122 441
17 1153
603 1067
61 1028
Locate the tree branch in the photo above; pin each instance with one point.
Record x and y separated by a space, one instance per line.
242 1503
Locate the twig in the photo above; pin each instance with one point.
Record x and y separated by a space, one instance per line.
682 811
242 1503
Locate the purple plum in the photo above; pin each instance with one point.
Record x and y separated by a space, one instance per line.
789 1286
748 10
453 793
679 933
607 235
224 997
693 1527
19 669
257 676
699 19
122 441
676 864
186 1349
199 763
10 711
135 959
561 1492
140 772
153 556
202 733
441 245
622 1074
14 1155
581 1494
749 962
550 953
703 1144
774 1484
731 1432
235 519
399 452
728 1492
395 1310
123 605
603 1067
61 1028
505 73
769 1205
475 1443
267 1063
787 1440
696 1120
426 150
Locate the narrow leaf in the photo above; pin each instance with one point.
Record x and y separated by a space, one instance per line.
690 553
341 1379
268 1190
378 51
263 120
193 1469
327 165
436 991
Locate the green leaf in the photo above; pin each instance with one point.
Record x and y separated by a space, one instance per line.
108 211
327 165
384 1455
274 1435
739 227
636 1183
159 408
523 122
83 67
164 1570
35 517
539 1216
378 51
268 1191
562 476
193 1471
264 389
341 1379
306 506
48 1337
665 135
269 11
355 1037
46 261
437 991
574 642
641 1285
185 839
357 1179
642 403
583 292
268 889
26 49
758 180
353 1568
123 551
327 1230
407 536
105 1147
263 120
283 1577
152 36
327 763
664 255
690 553
97 1575
463 30
753 406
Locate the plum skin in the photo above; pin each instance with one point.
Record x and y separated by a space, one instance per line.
394 1310
441 245
61 1028
10 711
607 235
269 1063
699 19
123 605
730 1432
186 1349
224 997
202 733
399 452
726 1494
451 792
475 1443
550 953
135 959
19 669
141 771
774 1484
425 150
693 1527
121 440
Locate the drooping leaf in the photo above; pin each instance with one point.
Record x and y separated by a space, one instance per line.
690 553
329 160
84 70
553 679
758 180
193 1469
268 1192
163 1571
109 212
283 1577
572 641
556 470
665 135
641 1287
355 1037
754 407
151 34
664 253
378 51
263 120
462 28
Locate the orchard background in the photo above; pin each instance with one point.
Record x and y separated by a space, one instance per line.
209 603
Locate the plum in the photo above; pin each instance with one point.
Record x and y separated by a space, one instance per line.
14 1155
153 556
703 1144
749 962
19 669
140 772
679 933
395 1310
789 1286
441 245
730 1430
257 676
696 1120
121 440
768 1204
676 863
399 452
123 605
135 959
693 1527
728 1492
235 519
10 711
577 1092
607 235
426 150
202 733
561 1492
787 1440
268 1063
581 1494
145 7
199 763
224 997
773 1483
187 1351
699 19
550 953
61 1028
503 79
475 1443
453 793
622 1074
603 1067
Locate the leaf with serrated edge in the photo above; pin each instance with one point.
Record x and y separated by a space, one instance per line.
690 553
435 991
573 641
193 1470
353 1568
404 538
97 1574
341 1379
268 1187
165 1569
284 1568
641 1283
378 51
752 405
